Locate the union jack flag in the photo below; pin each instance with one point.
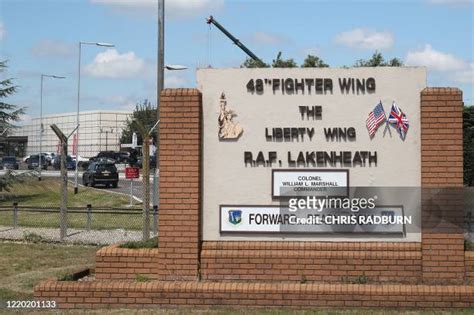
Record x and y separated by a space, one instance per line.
399 120
375 119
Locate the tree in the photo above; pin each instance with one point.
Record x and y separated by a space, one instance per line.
9 113
314 62
251 63
145 115
468 144
377 60
283 63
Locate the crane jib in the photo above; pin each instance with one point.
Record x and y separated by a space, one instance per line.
211 20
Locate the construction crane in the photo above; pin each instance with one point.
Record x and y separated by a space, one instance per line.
211 20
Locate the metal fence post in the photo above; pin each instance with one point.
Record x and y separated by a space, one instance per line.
155 220
15 215
89 217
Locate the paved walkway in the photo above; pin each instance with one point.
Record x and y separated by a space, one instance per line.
74 236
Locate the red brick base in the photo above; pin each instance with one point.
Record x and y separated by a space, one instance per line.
117 263
122 294
311 261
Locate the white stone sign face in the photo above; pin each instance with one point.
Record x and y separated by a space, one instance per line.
290 183
272 219
308 120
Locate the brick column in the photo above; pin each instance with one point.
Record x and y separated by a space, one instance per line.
180 202
442 184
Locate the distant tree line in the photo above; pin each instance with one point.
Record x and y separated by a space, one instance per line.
312 61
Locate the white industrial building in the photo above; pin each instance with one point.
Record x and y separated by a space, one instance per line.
99 130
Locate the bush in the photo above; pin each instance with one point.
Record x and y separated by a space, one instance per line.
32 237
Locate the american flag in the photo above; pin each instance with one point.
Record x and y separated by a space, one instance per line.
375 119
399 120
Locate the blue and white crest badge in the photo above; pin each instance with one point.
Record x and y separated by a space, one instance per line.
235 216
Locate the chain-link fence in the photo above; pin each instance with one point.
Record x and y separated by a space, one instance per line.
101 215
469 214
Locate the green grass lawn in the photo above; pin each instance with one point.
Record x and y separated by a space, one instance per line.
46 193
23 265
100 221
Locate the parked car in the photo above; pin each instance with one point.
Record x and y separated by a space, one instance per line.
152 162
123 157
9 163
102 172
70 163
104 155
47 156
81 161
34 162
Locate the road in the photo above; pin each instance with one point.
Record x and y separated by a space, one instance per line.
123 185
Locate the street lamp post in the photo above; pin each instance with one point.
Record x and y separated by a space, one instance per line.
160 79
78 102
41 118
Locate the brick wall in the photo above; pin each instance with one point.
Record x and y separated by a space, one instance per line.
123 294
116 263
442 182
311 261
180 152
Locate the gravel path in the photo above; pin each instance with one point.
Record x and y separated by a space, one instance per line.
74 236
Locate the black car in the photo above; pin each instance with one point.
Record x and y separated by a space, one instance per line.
70 163
123 157
118 157
102 172
9 163
152 162
34 161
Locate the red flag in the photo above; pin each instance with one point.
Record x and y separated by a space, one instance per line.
74 144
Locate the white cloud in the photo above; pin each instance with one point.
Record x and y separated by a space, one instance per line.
434 60
111 64
2 30
121 102
263 38
174 8
174 79
447 65
365 38
464 76
52 48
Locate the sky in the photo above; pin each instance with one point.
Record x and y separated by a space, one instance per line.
41 37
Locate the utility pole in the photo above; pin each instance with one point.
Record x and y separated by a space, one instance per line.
160 76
